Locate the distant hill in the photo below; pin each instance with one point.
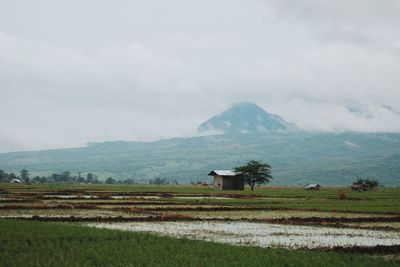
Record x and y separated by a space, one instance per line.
297 158
246 118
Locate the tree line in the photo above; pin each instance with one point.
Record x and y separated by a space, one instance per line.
364 184
63 177
257 173
253 173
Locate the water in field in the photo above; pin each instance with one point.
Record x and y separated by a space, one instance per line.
70 196
263 235
134 197
203 197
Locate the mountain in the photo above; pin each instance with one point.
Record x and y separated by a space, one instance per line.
246 118
297 158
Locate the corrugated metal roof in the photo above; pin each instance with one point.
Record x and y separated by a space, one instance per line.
222 172
312 185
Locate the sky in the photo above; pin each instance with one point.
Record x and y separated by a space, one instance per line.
73 72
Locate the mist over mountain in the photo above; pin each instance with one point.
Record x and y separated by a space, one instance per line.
297 157
92 71
246 118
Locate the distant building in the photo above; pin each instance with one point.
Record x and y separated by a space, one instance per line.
359 187
313 187
226 180
202 183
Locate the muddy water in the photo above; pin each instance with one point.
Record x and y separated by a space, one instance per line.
69 196
263 235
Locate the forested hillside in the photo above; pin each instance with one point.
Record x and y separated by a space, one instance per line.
296 158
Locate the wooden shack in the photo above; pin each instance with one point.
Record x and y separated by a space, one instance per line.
226 180
360 187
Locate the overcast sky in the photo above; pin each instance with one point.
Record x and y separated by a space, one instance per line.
75 71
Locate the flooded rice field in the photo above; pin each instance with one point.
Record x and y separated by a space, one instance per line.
135 197
262 234
298 219
69 196
80 213
273 214
203 197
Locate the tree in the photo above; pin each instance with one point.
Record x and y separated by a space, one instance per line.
25 175
3 176
90 178
158 181
12 176
371 183
55 177
111 180
96 180
368 183
45 179
66 176
36 179
80 178
254 172
129 181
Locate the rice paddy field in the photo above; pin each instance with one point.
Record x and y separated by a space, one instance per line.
140 225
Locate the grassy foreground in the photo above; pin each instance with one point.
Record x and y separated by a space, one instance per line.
28 243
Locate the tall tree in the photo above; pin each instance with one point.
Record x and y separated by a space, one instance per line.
12 176
25 175
254 172
110 180
90 178
369 183
81 179
3 176
66 176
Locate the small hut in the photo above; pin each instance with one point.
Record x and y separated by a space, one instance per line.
360 187
313 187
226 180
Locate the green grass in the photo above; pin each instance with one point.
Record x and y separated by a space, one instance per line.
20 188
26 243
188 189
327 199
373 205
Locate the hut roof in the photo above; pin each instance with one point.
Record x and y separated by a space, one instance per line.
222 173
312 185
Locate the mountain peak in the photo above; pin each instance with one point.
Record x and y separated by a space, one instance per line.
246 118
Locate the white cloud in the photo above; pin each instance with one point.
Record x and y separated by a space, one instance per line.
138 71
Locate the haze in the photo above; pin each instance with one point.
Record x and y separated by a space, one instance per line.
73 72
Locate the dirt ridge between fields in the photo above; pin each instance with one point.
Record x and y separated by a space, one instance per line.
314 221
